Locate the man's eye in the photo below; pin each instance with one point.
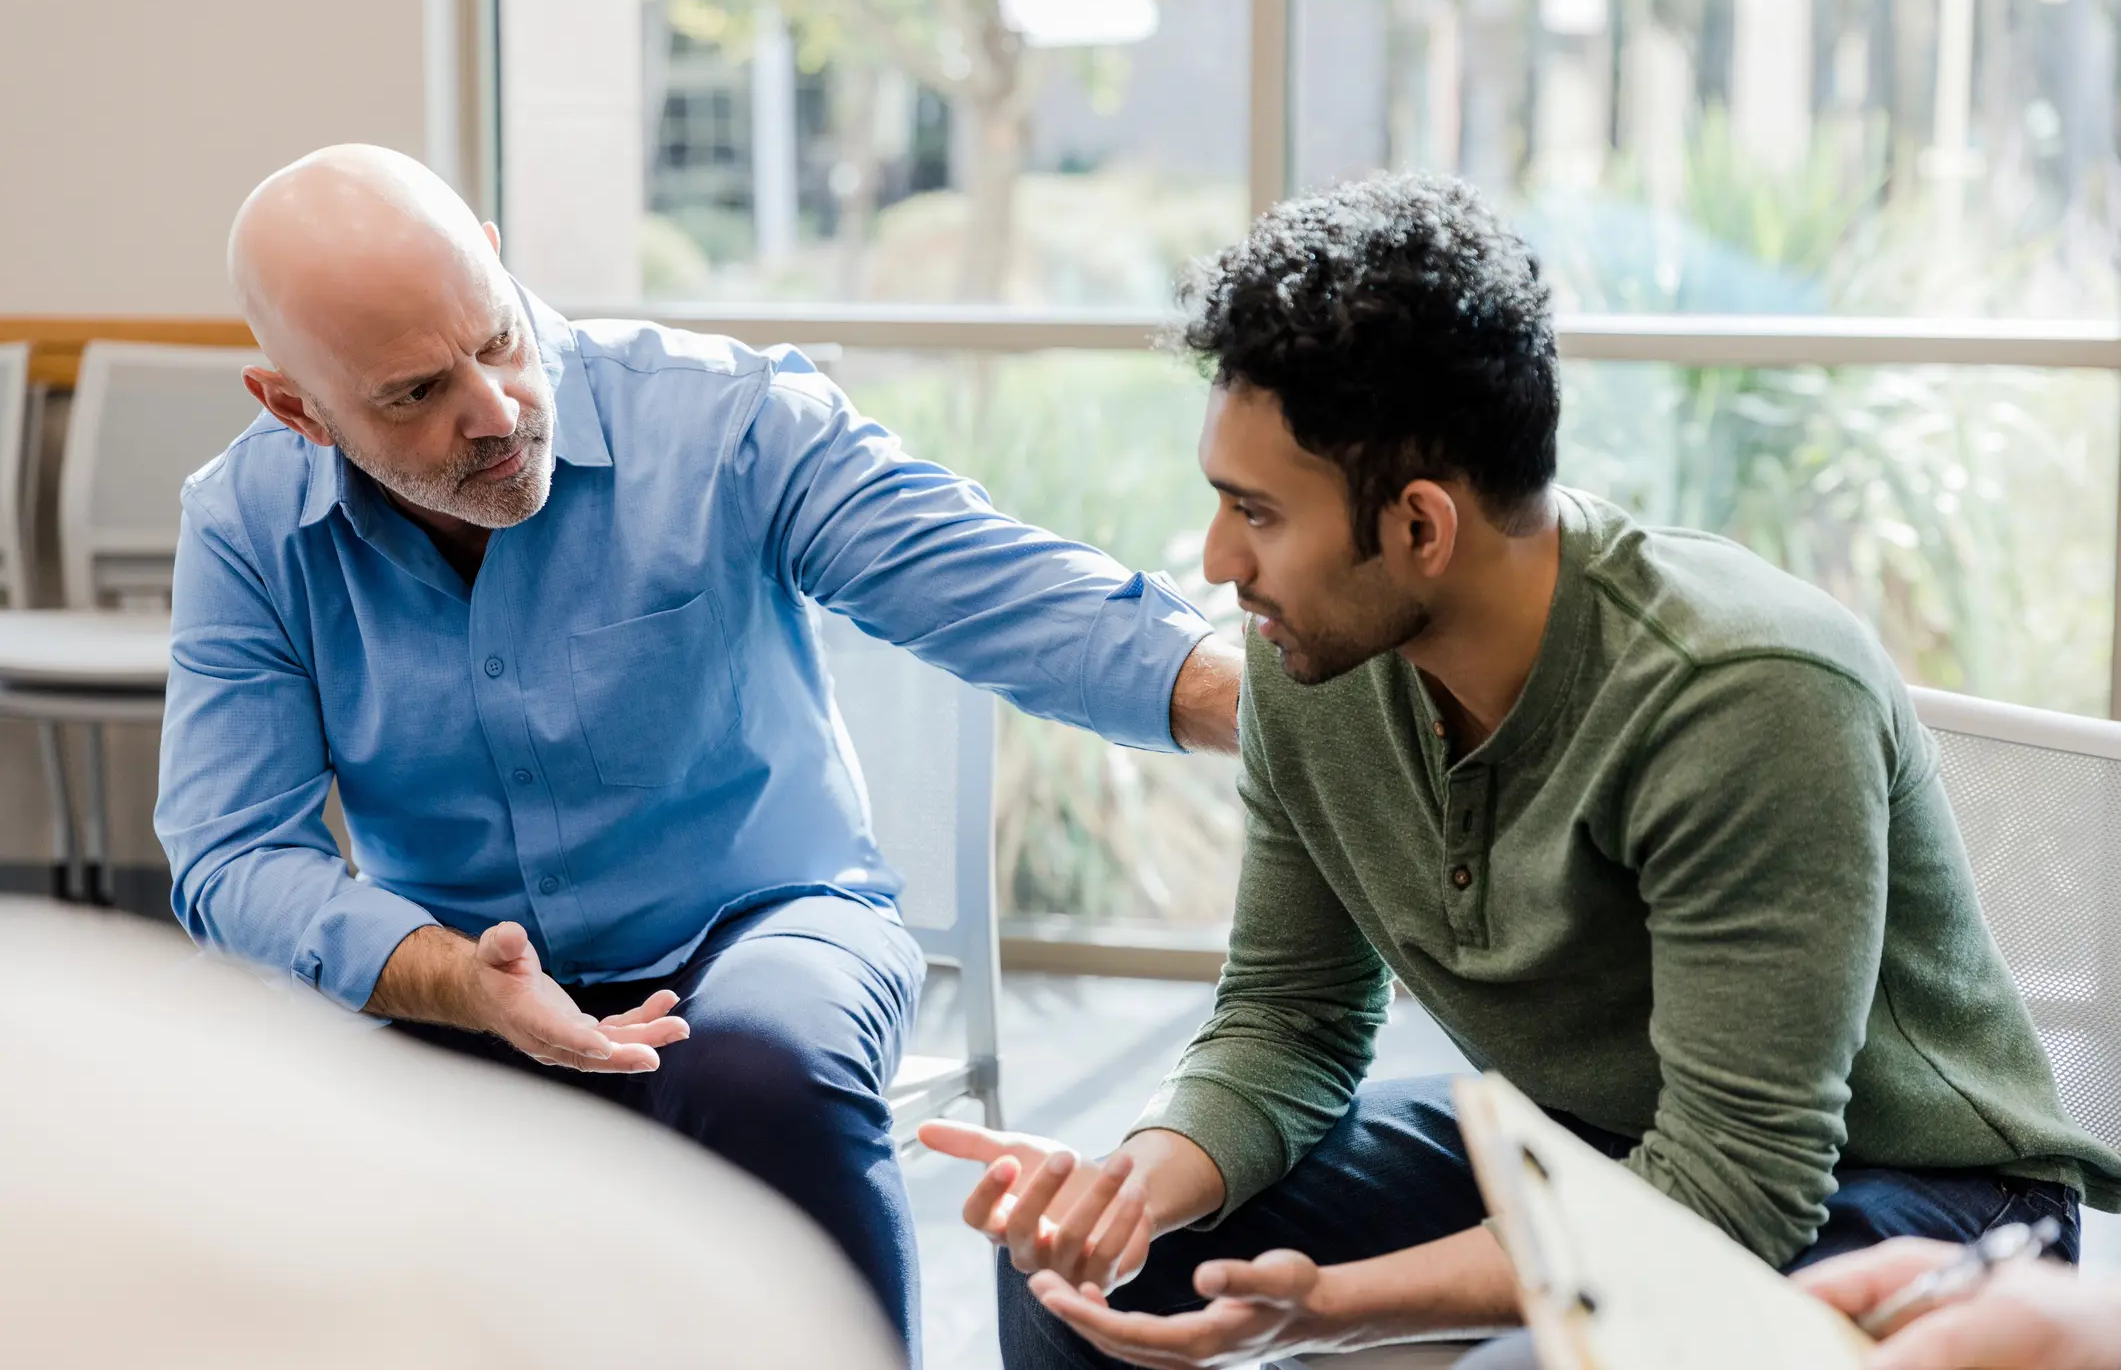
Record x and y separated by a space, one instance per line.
417 393
502 343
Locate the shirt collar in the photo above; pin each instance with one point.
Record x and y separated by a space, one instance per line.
578 433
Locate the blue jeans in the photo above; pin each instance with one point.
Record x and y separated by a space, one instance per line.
798 1014
1393 1173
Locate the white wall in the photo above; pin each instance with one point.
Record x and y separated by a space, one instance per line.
131 129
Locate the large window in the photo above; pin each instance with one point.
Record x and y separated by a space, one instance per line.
1035 152
1748 156
1839 281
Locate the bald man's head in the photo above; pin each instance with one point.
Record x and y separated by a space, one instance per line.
395 333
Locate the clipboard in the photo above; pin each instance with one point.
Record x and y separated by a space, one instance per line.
1613 1275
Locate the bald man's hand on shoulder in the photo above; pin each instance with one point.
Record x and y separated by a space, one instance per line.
496 985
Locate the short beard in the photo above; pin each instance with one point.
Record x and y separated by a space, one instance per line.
1378 623
450 491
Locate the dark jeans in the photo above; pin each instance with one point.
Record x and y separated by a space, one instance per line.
1393 1173
798 1014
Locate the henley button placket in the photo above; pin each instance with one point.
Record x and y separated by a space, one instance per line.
1465 850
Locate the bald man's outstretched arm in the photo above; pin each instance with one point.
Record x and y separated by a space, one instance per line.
918 555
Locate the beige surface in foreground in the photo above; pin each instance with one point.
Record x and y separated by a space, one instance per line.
198 1171
1667 1289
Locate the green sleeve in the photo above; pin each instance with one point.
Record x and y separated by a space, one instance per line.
1297 1010
1758 826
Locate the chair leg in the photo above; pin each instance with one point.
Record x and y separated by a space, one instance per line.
98 823
68 879
987 1088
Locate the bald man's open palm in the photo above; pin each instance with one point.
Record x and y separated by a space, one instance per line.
533 1013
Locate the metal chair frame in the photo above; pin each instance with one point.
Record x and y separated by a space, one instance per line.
926 1087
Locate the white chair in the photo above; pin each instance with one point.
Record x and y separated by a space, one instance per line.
925 744
2038 800
144 417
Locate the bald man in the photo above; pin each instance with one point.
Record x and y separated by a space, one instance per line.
536 594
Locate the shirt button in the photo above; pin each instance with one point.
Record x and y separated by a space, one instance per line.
1461 877
549 884
1437 727
523 777
493 665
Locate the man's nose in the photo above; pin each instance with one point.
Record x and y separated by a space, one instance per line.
493 410
1223 559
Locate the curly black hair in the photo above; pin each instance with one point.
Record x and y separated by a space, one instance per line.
1406 333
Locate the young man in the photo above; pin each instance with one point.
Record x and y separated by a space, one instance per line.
1647 825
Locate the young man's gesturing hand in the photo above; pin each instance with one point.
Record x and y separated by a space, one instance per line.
1080 1219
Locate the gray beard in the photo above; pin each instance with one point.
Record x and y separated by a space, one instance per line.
485 504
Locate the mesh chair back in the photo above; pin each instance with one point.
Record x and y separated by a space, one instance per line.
145 416
2038 799
924 741
15 462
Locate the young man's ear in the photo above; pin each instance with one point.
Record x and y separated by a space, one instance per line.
284 402
1421 527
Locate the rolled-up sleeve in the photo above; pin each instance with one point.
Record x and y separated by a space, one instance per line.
245 773
918 556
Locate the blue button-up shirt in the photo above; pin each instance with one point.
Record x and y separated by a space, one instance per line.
622 729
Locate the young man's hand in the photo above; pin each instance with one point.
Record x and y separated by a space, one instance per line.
1054 1211
2039 1316
1265 1307
496 985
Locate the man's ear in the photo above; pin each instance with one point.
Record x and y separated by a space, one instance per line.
284 402
493 236
1420 528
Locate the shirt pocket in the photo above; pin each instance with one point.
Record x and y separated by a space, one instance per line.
655 694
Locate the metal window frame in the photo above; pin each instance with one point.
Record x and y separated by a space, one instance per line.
1679 340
